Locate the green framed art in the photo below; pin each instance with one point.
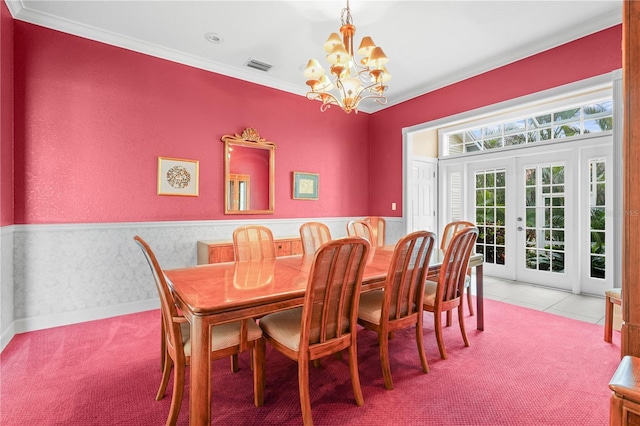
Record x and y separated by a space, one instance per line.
305 186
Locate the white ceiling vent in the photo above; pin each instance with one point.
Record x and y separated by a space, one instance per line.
262 66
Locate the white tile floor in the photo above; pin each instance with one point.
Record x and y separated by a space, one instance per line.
579 307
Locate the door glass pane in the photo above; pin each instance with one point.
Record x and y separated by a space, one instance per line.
490 214
544 198
597 205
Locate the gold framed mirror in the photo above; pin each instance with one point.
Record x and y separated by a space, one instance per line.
249 173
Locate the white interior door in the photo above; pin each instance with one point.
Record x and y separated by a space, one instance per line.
423 195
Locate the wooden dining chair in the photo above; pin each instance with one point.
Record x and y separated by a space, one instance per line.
253 242
379 227
313 235
613 297
327 321
399 304
227 339
446 294
361 228
447 234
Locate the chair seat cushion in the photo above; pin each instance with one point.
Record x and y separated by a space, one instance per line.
614 293
430 293
284 327
370 307
223 336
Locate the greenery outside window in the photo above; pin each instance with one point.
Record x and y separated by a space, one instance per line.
566 122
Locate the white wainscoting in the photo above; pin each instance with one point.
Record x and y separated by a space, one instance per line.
7 329
55 275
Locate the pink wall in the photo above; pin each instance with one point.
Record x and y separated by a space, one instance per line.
589 56
6 116
91 120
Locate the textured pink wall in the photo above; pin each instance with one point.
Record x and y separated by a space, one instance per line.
6 116
589 56
91 120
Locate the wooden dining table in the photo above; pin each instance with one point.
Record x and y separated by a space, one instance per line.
217 293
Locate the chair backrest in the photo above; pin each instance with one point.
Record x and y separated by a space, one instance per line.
253 242
455 263
173 334
361 228
450 230
313 235
330 309
408 270
379 226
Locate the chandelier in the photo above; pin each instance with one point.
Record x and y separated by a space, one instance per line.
350 81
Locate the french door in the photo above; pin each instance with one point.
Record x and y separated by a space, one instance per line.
542 218
545 234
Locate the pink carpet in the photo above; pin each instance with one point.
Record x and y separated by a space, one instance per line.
527 368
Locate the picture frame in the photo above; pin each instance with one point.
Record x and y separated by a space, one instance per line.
305 186
178 176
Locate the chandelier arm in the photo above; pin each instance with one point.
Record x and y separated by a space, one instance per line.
325 97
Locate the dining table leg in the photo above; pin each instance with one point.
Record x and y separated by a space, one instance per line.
200 371
480 297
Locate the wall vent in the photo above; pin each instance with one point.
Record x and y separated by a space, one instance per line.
262 66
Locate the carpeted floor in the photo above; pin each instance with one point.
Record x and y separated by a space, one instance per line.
526 368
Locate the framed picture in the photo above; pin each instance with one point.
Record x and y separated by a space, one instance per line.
177 176
305 186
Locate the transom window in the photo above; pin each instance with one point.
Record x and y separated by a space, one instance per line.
562 123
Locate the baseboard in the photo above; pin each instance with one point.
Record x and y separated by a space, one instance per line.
7 336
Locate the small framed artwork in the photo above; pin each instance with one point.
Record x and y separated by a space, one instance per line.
177 176
305 186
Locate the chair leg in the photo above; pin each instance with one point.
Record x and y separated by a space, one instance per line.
383 342
437 322
163 343
469 298
166 372
449 316
258 358
178 392
355 375
234 363
303 389
419 341
470 301
461 321
608 320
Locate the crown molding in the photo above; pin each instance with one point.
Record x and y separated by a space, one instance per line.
567 35
20 12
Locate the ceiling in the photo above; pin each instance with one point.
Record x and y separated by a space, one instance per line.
430 44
